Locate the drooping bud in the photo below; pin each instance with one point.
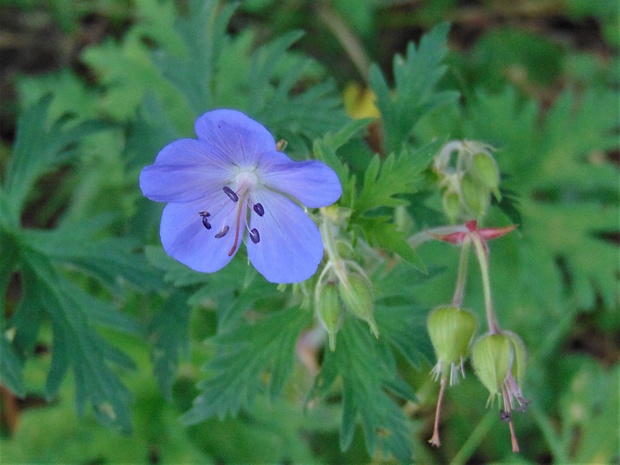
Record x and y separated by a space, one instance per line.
475 196
467 170
357 295
452 330
492 357
451 203
484 168
328 310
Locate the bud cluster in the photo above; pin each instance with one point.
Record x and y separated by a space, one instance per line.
468 175
353 296
343 286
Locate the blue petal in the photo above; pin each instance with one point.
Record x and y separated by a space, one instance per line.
185 238
185 171
290 246
313 183
231 134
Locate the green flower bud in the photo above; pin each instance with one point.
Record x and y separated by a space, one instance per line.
451 205
492 357
452 331
328 310
484 168
475 195
357 296
344 249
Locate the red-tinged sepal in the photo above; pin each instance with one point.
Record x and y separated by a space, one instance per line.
471 230
494 233
455 238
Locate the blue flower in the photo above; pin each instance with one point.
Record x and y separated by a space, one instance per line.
233 184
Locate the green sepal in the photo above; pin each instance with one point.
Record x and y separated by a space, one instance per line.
492 356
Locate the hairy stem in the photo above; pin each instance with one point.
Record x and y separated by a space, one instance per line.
435 439
461 279
327 231
483 261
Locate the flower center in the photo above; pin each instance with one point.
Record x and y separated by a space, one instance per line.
243 184
246 180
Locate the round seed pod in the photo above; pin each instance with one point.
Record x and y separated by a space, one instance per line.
452 330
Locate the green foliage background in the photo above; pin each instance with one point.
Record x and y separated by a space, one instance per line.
111 352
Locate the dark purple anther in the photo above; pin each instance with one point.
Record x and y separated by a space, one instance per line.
258 208
222 233
231 194
254 236
205 220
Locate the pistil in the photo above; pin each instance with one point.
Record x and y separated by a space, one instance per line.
240 209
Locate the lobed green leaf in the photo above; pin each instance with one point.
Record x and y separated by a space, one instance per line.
416 76
244 355
365 373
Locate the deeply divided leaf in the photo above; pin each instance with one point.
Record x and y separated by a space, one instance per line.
414 94
365 376
251 359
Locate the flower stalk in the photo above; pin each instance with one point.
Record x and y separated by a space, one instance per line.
498 357
434 440
459 291
483 261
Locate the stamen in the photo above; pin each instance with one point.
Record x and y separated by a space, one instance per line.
258 208
254 235
281 145
205 221
242 207
222 233
231 194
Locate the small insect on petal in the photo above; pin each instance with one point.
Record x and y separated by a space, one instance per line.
258 208
222 232
254 236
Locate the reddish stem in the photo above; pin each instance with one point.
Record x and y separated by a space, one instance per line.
435 439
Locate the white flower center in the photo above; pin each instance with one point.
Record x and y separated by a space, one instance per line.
239 192
246 180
